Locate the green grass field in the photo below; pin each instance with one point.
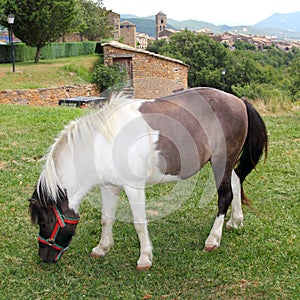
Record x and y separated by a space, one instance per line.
48 73
259 261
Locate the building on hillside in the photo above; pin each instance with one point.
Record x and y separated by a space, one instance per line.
150 75
165 34
128 33
206 31
142 40
160 23
261 42
225 38
114 20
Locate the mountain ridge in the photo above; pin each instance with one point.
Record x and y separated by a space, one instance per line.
284 26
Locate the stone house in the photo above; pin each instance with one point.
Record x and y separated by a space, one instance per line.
142 40
128 33
114 20
150 75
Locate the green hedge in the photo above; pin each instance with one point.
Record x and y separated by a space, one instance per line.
52 51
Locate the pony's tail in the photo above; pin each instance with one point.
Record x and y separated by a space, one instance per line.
255 145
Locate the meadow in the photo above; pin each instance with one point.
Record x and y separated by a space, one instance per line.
259 261
75 70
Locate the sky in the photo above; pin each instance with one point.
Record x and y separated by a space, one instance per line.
218 12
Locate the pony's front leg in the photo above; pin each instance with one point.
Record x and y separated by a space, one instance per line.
136 197
109 203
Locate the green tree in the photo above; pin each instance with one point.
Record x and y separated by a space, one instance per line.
92 21
205 57
294 72
39 22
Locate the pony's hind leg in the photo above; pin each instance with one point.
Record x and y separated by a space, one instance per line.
236 218
224 199
109 203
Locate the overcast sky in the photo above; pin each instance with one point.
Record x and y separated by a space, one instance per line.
218 12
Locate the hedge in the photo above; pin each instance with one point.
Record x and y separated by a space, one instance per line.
51 51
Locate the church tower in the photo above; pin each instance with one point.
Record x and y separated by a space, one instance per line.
161 23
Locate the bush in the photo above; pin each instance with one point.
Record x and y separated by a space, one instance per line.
51 51
266 96
109 77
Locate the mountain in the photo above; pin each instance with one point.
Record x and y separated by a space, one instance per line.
289 22
144 24
284 26
196 25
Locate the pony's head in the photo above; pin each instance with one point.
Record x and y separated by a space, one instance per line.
57 223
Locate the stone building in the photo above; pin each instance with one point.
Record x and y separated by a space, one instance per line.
114 20
128 33
150 75
160 23
142 40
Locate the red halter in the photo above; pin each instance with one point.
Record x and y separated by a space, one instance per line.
61 221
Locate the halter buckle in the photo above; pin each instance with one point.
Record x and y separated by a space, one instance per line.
51 241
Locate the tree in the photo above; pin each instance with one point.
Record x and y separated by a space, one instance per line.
92 21
205 57
294 72
39 22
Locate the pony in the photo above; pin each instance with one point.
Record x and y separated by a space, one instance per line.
134 142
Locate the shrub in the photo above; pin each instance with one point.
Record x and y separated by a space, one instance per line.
109 77
266 96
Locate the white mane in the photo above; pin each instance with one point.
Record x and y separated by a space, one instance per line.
80 130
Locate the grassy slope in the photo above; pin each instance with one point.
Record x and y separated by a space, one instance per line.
48 73
259 261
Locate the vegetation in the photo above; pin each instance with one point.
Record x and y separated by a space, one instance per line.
49 73
106 77
61 72
260 261
24 53
249 73
39 23
91 20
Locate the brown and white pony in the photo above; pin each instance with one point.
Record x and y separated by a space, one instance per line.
133 142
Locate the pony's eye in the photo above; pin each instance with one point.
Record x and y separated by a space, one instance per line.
42 224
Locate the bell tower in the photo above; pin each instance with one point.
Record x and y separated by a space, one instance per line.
161 23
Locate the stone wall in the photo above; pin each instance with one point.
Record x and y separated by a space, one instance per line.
155 77
45 96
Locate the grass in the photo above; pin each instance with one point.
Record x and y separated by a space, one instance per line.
48 73
260 261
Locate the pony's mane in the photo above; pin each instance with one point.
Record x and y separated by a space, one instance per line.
102 121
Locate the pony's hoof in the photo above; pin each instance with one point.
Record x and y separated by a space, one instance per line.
210 248
229 227
95 255
141 268
234 225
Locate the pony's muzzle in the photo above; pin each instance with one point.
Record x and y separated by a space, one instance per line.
48 254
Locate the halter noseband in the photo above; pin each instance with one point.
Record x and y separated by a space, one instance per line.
61 222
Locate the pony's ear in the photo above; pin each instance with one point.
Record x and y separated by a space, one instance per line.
34 201
34 209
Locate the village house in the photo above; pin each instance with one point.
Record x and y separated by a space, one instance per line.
142 40
114 20
128 33
150 75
